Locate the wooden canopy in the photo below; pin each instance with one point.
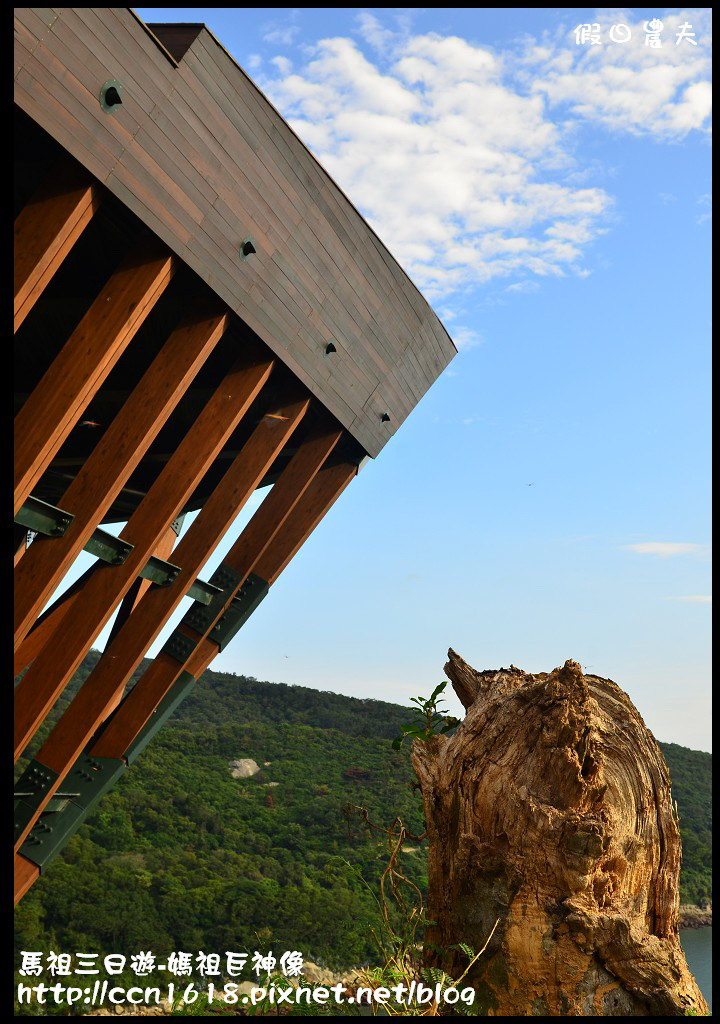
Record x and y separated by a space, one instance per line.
199 311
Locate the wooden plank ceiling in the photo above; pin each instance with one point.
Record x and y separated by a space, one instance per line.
203 159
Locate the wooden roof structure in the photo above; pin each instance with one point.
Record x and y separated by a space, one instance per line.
199 311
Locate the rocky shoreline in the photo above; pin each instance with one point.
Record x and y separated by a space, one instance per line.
695 917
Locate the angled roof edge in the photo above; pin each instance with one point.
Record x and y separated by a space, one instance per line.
204 28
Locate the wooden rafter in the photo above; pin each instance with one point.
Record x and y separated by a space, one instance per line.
300 523
141 586
47 228
332 341
322 493
26 875
47 623
114 458
314 500
88 708
56 404
48 675
165 669
133 597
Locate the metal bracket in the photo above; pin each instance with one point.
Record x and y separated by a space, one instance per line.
48 838
177 693
201 618
107 547
50 521
57 802
31 788
248 597
40 517
164 573
226 577
177 524
159 571
203 592
242 605
179 646
91 777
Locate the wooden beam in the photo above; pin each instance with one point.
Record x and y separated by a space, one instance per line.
285 495
26 875
20 540
48 675
160 676
114 458
47 623
41 633
76 373
47 228
133 597
320 496
141 586
315 503
88 708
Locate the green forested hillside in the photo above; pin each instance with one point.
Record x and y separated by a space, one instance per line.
691 773
181 856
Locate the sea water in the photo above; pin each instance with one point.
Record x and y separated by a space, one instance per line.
697 943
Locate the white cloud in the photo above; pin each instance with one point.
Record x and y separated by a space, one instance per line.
284 35
463 159
465 338
283 32
631 87
373 32
460 175
693 598
283 65
523 286
706 201
664 549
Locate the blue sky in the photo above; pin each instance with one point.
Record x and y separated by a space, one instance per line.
550 496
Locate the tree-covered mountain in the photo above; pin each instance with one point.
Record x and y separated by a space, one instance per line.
691 774
182 856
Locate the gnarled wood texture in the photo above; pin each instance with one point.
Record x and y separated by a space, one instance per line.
550 810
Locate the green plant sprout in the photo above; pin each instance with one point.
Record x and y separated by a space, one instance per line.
428 719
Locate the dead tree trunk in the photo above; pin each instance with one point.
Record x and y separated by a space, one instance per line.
550 809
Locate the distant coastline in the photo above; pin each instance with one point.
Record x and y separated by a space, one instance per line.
695 917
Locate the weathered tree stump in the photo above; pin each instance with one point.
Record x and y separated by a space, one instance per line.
550 810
